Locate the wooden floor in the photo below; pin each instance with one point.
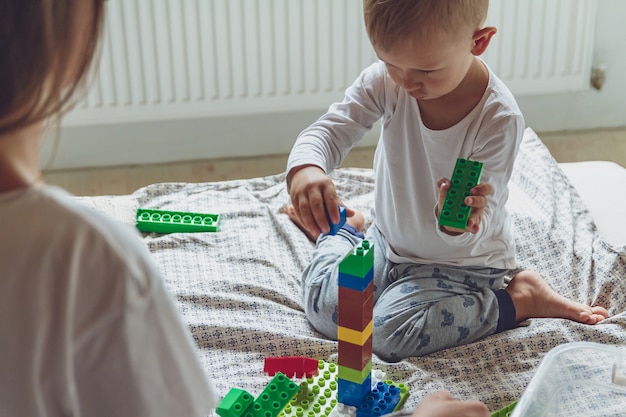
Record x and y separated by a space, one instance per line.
607 145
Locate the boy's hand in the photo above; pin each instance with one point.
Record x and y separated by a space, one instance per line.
443 404
311 190
477 201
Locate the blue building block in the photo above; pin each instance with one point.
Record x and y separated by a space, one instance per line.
334 227
352 393
383 399
354 282
454 212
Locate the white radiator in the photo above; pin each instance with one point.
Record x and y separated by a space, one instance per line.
169 59
542 46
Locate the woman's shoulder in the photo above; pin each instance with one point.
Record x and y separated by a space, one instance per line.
89 238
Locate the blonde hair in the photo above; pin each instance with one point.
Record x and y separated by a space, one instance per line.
391 21
36 44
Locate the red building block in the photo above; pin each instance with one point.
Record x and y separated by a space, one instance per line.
291 366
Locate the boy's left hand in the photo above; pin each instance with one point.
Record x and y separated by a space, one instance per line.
477 201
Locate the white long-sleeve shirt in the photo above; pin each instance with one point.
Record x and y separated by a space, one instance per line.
409 160
88 327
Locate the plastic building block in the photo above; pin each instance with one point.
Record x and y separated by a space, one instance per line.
356 375
383 399
466 175
353 393
355 356
356 308
506 411
291 366
358 337
275 396
355 282
163 221
334 227
356 268
234 403
358 262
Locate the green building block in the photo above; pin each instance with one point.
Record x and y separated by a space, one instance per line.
359 261
274 397
235 403
466 175
163 221
355 375
506 411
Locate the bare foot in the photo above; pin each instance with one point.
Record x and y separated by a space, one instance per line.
291 212
357 220
533 298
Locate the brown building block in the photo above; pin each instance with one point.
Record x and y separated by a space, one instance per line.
354 356
356 308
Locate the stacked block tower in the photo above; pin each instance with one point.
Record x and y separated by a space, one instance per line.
355 324
344 389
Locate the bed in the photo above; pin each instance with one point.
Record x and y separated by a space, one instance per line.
239 289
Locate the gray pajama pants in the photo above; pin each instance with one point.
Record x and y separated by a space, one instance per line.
418 309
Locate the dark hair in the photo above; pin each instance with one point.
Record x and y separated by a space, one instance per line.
38 41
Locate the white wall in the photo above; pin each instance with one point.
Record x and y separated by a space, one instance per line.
193 139
589 109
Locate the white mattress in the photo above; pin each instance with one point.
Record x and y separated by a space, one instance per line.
602 186
239 290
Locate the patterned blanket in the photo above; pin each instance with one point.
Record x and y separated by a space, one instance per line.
239 289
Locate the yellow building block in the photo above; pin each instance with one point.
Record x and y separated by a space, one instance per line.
354 336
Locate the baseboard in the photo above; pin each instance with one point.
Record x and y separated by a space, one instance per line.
178 140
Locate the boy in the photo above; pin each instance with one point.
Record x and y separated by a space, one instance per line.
435 286
88 327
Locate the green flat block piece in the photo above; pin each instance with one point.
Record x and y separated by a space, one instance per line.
235 403
359 261
164 221
404 394
355 375
506 411
317 395
466 175
274 397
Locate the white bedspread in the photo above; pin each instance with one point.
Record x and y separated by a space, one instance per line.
239 289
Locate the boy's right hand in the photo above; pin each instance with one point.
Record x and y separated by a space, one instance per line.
311 190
